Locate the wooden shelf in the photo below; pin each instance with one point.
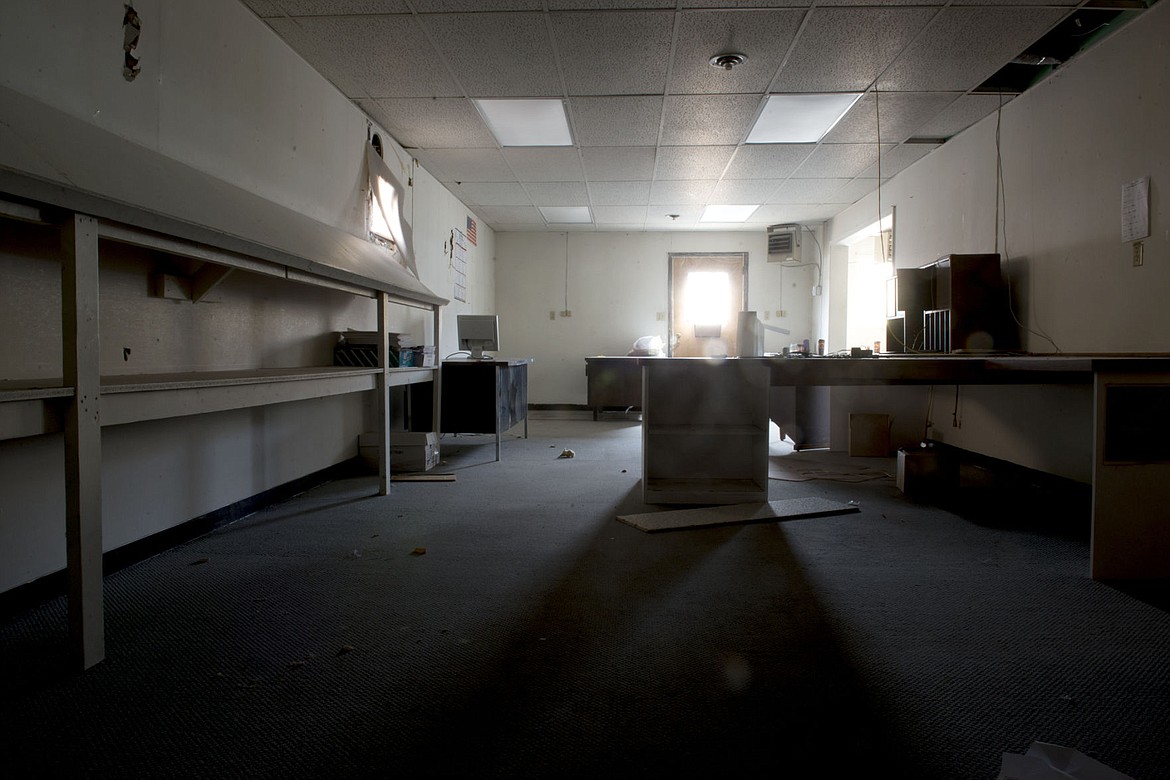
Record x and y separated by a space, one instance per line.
33 408
704 432
704 429
701 490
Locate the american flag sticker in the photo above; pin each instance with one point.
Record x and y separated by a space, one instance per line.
471 231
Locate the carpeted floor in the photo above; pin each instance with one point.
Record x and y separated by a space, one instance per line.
507 625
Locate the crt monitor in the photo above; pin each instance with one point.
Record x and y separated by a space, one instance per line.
478 332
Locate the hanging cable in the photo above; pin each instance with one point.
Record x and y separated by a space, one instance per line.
1001 197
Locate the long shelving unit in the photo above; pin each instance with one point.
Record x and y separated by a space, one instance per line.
224 230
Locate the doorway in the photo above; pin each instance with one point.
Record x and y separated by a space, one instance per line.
707 292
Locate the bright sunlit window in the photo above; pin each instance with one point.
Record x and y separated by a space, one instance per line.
707 294
867 305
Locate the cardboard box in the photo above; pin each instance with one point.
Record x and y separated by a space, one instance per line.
409 450
927 472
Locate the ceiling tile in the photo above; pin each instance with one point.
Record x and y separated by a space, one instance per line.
1066 3
454 6
466 165
743 191
618 163
679 192
623 52
496 194
340 7
962 47
897 160
545 163
749 3
616 121
960 115
352 53
430 123
603 5
793 215
619 193
496 55
763 36
511 215
902 113
558 193
767 161
839 161
660 216
619 215
854 191
844 49
807 191
692 162
706 120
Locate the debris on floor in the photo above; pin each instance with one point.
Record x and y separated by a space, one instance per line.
422 477
1045 761
567 453
419 551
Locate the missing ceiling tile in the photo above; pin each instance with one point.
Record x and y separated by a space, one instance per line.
131 29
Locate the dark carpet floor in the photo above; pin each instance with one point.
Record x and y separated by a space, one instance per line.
507 625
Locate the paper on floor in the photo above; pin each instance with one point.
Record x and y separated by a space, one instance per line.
1044 761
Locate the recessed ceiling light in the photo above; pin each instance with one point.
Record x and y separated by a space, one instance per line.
797 119
522 122
721 213
566 214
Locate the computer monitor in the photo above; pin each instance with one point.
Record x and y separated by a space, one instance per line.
478 332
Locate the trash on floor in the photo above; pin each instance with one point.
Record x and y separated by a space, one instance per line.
567 453
419 551
1045 761
422 477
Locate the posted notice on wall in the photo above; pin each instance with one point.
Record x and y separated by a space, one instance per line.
1135 210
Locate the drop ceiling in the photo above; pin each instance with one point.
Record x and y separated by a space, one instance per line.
658 132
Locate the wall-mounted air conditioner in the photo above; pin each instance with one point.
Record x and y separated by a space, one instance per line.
784 244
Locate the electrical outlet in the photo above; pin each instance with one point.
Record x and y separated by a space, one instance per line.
1138 253
767 314
781 314
552 315
566 313
661 316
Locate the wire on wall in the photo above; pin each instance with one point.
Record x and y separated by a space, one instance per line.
1001 224
566 271
877 110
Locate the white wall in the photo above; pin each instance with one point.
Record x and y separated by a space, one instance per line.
222 93
1068 146
615 285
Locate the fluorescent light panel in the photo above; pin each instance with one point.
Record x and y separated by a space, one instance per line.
720 213
798 119
566 214
526 122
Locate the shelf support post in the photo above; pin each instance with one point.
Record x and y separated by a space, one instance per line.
383 414
83 442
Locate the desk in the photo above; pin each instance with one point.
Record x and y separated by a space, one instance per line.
614 382
480 396
1131 441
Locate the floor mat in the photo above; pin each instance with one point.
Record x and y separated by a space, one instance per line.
707 517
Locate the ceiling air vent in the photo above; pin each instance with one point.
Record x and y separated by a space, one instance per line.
784 244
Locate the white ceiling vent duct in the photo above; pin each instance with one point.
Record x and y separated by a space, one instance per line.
784 244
